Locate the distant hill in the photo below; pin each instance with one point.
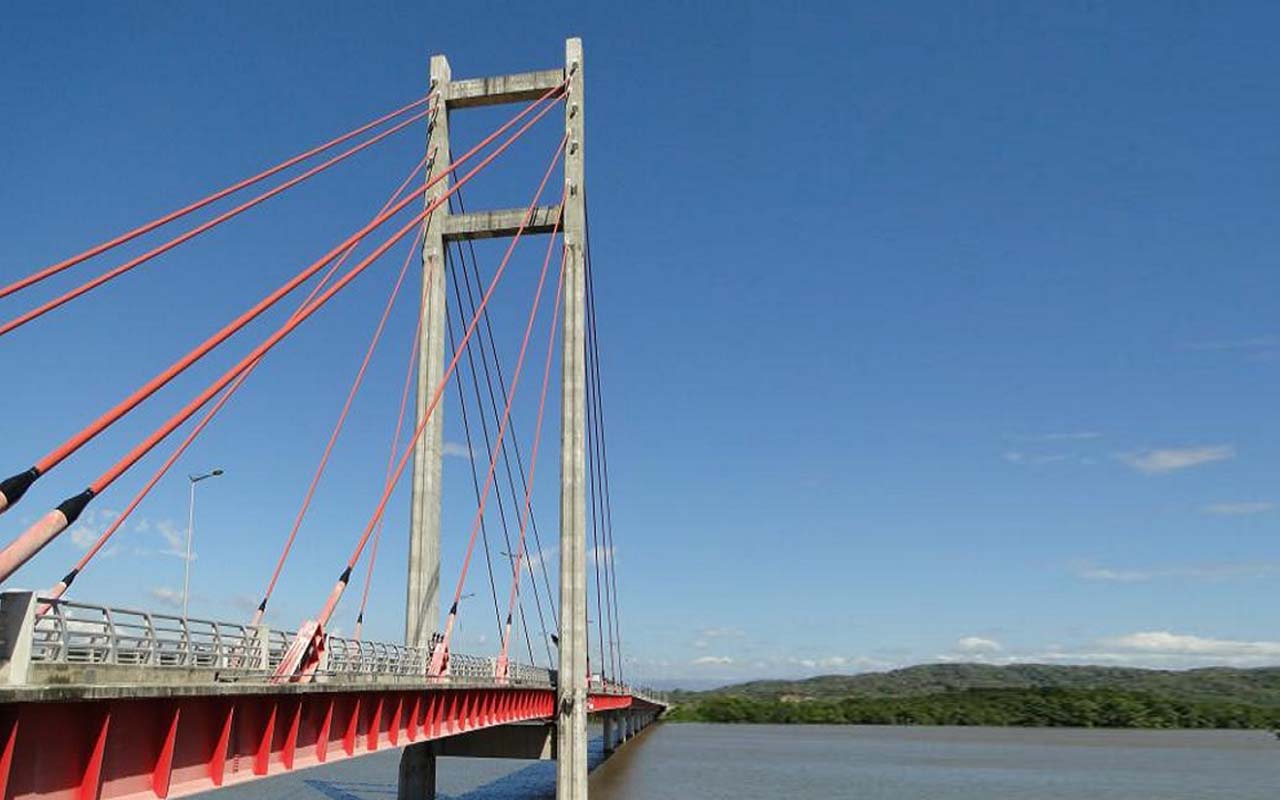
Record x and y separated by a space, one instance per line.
1256 687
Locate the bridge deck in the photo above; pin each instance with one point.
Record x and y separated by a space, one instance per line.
112 703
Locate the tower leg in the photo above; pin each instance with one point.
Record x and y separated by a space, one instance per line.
417 777
571 717
422 608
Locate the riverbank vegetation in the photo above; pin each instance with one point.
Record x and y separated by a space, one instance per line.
1045 707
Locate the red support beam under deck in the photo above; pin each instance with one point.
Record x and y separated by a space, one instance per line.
160 747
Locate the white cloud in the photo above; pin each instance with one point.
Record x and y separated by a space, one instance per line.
603 555
1239 508
1119 575
978 644
1168 643
1019 457
1171 459
536 559
722 633
828 662
83 537
711 660
92 524
457 450
1206 572
1072 436
1255 343
175 539
706 636
167 596
1148 649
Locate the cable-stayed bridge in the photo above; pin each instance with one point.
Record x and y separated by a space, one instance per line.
105 702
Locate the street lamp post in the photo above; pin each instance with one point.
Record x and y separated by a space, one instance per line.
191 526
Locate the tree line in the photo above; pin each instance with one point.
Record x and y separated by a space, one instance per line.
1040 708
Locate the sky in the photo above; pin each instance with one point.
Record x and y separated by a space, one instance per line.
930 331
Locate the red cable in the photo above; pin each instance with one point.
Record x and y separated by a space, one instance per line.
62 585
54 522
336 594
150 226
502 427
533 464
12 489
337 428
115 272
271 341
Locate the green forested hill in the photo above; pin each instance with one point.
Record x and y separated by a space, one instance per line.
1022 695
1251 686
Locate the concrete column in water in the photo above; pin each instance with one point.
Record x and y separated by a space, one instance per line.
607 720
417 779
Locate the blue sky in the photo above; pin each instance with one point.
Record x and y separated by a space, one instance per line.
931 331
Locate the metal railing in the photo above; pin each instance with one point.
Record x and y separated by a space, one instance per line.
357 657
78 633
73 633
471 668
527 675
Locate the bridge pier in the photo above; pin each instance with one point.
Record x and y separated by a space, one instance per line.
417 779
610 726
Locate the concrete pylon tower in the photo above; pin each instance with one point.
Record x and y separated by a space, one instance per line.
417 779
571 721
422 607
422 617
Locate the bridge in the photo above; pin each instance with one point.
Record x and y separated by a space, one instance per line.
99 701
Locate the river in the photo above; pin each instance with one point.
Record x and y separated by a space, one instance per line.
770 762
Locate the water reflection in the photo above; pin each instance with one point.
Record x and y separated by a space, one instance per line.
526 781
746 762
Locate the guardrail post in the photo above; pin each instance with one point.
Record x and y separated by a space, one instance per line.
262 643
17 619
322 666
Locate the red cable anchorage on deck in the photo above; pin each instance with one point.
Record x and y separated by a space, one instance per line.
54 522
301 658
60 588
115 272
50 271
12 488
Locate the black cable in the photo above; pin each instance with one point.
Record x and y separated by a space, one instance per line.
475 481
502 384
604 452
515 441
484 427
593 495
